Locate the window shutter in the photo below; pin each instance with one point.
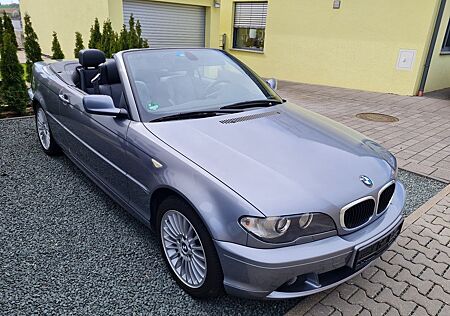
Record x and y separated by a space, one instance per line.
250 15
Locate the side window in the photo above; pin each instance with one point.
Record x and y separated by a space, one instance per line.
249 25
446 43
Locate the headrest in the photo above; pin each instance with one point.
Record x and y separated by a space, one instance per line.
91 57
110 72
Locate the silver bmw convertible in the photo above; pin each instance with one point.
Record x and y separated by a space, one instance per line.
247 193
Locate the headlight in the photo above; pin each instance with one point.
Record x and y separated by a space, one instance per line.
288 228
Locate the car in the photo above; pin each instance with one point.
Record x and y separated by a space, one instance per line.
247 193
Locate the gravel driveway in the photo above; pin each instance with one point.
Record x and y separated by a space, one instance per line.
67 248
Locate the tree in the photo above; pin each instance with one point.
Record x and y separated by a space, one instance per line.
14 90
9 27
78 44
56 48
122 43
108 42
133 38
142 43
96 36
32 49
1 32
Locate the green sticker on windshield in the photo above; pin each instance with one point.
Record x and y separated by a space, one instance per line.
152 106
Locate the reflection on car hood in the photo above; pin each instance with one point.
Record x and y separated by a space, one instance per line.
283 159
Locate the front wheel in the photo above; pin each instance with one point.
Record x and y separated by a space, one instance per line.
48 144
188 249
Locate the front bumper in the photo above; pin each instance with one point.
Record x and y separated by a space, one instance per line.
309 268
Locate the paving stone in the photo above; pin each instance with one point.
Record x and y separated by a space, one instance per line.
429 275
437 293
445 311
432 306
374 307
434 244
397 287
429 253
437 267
320 310
424 241
371 289
428 227
423 286
346 290
404 307
442 239
392 312
334 300
414 268
391 269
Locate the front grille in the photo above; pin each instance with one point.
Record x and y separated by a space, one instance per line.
385 198
358 214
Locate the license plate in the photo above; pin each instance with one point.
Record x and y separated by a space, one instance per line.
370 252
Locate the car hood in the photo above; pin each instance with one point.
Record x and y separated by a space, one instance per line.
283 159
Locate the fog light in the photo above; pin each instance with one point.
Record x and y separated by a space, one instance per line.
305 220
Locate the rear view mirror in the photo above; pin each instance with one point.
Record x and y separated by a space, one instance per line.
273 83
101 105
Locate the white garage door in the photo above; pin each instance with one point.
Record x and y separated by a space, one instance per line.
168 25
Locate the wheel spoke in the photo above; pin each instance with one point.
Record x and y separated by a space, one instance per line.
183 249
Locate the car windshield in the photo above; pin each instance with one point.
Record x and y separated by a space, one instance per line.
173 81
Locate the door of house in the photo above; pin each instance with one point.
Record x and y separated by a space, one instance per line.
168 24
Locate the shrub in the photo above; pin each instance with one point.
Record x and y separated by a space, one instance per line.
95 40
56 48
133 38
14 90
32 49
122 43
109 39
9 27
142 43
1 32
79 45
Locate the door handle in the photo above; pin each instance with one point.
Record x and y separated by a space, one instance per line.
63 97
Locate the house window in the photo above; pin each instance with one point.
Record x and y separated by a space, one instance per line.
249 25
446 44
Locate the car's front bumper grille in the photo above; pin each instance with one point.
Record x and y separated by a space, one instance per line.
386 195
359 213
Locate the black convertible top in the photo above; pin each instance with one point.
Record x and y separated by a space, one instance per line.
65 69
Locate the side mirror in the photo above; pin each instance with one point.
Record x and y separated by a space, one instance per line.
273 83
101 105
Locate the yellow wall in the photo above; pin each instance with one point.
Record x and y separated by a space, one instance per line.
69 16
439 73
356 46
64 17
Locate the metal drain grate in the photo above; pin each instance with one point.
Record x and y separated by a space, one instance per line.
377 117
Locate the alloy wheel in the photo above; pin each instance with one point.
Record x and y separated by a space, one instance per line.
183 249
43 129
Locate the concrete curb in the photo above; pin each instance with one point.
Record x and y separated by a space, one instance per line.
308 302
17 118
425 207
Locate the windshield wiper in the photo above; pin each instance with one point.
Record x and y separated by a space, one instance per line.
192 115
252 104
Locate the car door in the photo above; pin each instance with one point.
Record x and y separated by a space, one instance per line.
97 142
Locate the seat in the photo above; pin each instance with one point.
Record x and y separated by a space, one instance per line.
110 83
90 60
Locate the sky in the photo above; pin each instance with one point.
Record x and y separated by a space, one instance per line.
8 1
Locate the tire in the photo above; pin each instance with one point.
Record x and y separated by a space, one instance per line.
210 283
45 137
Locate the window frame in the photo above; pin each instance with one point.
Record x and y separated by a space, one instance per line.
235 29
445 49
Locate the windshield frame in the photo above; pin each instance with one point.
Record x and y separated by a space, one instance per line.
263 86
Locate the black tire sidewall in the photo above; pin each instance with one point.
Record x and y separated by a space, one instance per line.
213 284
